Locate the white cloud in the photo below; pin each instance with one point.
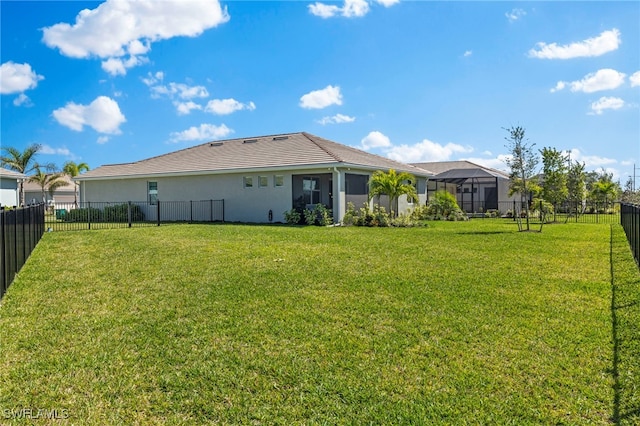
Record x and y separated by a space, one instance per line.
336 119
203 132
22 100
102 140
126 28
467 53
350 8
387 3
375 139
324 10
515 14
103 115
426 151
635 79
559 86
607 41
498 163
604 103
117 66
48 150
227 106
323 98
16 78
179 90
153 79
185 108
181 94
604 79
590 161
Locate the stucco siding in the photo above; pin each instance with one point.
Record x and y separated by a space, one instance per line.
8 192
241 203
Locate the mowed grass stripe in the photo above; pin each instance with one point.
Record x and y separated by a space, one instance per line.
451 324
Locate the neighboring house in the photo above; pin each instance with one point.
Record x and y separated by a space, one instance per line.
477 188
62 194
258 178
10 187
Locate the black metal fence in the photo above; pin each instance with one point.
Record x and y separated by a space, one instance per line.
630 221
101 215
581 212
20 231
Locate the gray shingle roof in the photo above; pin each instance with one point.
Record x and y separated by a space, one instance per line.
439 167
6 173
292 150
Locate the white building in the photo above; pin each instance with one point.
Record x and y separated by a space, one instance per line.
258 178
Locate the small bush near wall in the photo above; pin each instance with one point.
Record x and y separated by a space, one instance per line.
83 215
292 217
118 213
377 217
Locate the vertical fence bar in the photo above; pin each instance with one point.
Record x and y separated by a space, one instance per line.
21 231
158 215
3 257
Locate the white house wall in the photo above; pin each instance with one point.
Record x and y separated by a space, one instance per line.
240 204
9 192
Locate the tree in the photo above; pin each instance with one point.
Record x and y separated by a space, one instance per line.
22 162
522 163
554 168
47 181
576 183
604 189
630 195
393 185
72 170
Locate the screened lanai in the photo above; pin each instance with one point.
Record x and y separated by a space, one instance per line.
476 189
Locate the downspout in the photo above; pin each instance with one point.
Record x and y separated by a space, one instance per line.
336 200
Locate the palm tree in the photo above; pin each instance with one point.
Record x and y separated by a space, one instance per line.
393 185
21 162
48 181
72 170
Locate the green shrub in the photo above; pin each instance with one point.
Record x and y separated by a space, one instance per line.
350 216
84 214
320 215
443 206
292 217
119 213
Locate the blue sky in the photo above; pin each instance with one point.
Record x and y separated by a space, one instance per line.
415 81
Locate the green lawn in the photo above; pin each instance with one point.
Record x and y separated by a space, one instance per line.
457 323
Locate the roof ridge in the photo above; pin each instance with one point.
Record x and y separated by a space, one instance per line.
340 159
313 138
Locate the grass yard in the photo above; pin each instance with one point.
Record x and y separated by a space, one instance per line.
457 323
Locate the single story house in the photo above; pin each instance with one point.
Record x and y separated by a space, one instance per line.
259 178
62 194
9 187
477 188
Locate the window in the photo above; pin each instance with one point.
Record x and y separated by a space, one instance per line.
311 190
278 180
248 181
263 181
152 189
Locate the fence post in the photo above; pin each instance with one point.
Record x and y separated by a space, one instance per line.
129 213
89 214
158 215
190 211
211 210
514 210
